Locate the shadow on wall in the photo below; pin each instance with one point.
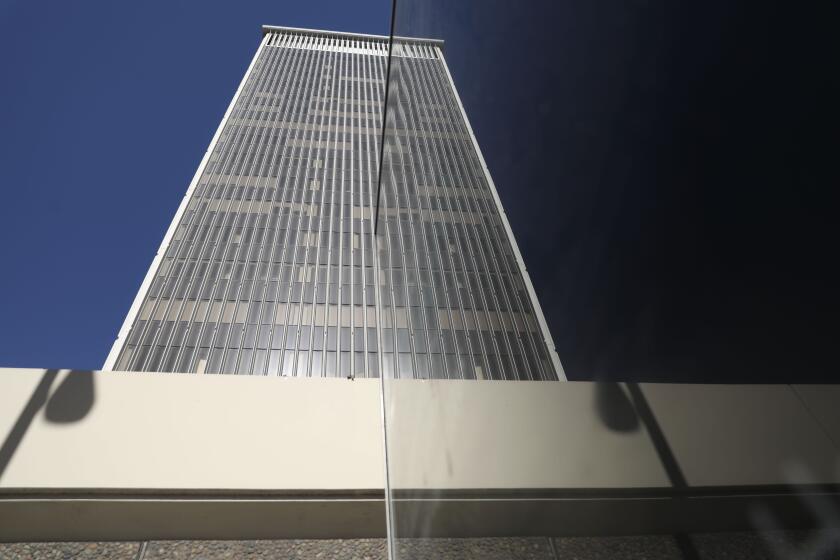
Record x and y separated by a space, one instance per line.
614 408
71 401
623 408
621 413
626 411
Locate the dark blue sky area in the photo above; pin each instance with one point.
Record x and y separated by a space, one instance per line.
107 108
669 168
670 171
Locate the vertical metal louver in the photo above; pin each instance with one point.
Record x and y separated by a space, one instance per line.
270 266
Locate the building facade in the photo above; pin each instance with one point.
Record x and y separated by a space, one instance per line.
271 265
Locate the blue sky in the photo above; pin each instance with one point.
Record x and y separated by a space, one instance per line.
668 168
107 108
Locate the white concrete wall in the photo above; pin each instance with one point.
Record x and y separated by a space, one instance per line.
210 432
190 432
505 435
134 455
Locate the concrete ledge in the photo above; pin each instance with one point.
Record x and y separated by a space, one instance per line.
123 518
586 513
495 435
116 456
121 431
596 513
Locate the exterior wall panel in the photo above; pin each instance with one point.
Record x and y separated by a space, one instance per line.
273 267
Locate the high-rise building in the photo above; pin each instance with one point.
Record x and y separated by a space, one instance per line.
271 265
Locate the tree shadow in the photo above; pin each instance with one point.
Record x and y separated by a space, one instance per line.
70 402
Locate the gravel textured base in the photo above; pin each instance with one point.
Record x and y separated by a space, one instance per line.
787 545
69 551
355 549
502 548
649 547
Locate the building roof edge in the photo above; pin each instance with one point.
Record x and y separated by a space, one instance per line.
347 35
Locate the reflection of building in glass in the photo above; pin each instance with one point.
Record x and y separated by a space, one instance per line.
269 265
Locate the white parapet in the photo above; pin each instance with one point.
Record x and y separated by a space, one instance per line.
98 455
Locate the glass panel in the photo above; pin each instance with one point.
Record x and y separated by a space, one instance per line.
573 127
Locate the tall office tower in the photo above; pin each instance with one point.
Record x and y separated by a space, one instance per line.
271 267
